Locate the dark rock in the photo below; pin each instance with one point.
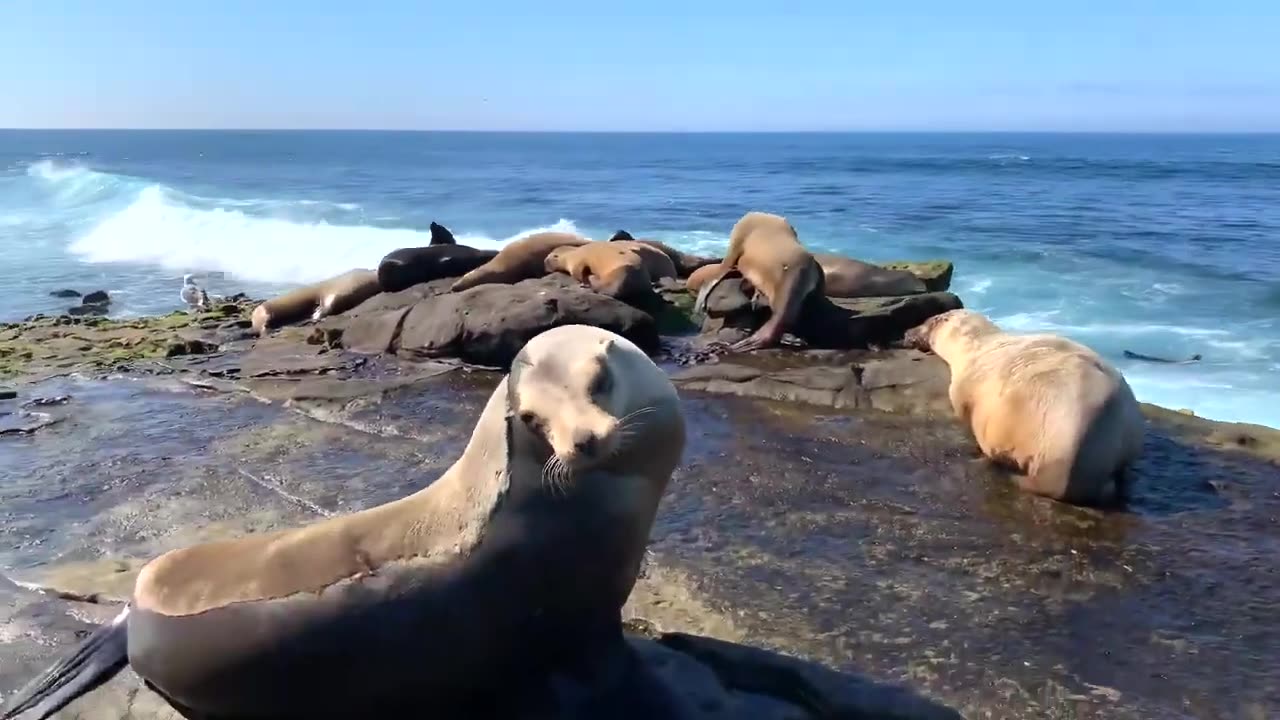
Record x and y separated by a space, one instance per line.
190 347
832 323
65 293
7 393
97 297
43 401
25 423
488 324
78 310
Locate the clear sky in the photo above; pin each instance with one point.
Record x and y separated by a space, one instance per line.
1168 65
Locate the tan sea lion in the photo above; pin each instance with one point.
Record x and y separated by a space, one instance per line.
515 562
330 297
623 270
518 260
767 252
685 263
699 277
845 277
1049 407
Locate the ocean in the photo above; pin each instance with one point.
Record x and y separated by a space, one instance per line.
1161 244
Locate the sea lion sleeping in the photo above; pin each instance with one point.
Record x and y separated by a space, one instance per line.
518 260
329 297
684 263
442 258
514 563
622 270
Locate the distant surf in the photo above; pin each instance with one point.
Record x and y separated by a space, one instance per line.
1162 246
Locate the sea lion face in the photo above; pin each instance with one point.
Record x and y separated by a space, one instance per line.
578 396
944 327
555 259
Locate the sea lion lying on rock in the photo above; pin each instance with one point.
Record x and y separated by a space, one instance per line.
684 262
329 297
521 259
1049 407
845 277
511 567
621 270
442 258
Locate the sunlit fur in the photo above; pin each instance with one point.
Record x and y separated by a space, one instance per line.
1047 406
585 409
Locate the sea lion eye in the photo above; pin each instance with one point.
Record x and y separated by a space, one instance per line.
602 383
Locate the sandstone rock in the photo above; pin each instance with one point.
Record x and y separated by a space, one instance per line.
936 274
488 324
898 380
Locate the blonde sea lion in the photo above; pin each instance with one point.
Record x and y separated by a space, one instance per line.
767 252
514 563
621 270
685 263
330 297
518 260
1047 406
845 277
700 277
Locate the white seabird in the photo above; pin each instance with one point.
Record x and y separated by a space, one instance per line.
192 294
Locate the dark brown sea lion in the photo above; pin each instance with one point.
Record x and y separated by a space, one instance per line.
443 258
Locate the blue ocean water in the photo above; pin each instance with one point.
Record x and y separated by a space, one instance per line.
1165 245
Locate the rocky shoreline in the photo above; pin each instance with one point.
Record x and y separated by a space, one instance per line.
829 508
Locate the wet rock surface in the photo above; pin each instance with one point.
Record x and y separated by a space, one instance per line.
803 521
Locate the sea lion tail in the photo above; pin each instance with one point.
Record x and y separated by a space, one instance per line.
95 661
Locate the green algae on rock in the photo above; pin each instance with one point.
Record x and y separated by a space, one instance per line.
45 344
936 274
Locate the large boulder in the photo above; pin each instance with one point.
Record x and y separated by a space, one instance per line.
831 323
936 274
488 324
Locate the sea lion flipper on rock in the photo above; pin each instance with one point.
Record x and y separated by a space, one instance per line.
441 235
97 659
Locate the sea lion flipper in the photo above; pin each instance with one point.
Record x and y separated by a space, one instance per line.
620 236
94 661
441 235
700 304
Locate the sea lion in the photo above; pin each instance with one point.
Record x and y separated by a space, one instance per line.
518 260
700 277
684 263
331 297
623 270
1046 406
514 563
1151 358
442 258
845 277
765 249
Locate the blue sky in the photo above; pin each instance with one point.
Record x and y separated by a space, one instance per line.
653 65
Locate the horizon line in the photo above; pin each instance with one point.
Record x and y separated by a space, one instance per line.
461 131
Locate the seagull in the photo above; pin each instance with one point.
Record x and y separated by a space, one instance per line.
192 294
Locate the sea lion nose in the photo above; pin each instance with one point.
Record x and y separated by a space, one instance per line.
585 444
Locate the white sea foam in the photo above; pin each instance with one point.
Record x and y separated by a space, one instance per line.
180 233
